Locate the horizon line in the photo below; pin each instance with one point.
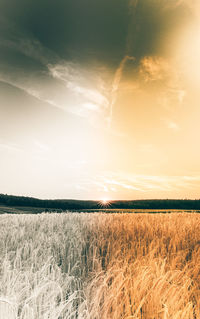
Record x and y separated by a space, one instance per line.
98 200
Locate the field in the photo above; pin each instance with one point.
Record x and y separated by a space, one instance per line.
100 266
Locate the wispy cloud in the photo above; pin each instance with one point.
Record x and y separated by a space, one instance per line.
127 57
30 91
82 86
42 147
139 184
173 125
115 85
91 95
27 44
86 101
123 184
11 147
73 78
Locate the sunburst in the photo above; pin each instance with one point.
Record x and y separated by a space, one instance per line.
104 202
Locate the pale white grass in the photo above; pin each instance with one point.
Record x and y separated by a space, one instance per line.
8 309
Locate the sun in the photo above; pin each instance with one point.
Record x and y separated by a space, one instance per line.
104 202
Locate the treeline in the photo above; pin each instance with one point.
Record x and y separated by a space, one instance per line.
10 200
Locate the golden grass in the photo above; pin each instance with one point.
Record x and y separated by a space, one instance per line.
100 266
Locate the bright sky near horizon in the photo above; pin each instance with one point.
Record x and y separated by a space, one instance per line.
100 98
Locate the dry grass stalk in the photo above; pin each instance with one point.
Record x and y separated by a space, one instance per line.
100 266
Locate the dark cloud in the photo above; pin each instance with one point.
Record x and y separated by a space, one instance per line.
70 27
94 30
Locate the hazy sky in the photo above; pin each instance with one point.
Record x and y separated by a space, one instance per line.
100 98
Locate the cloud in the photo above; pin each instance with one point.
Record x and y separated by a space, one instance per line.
18 39
171 98
173 126
153 68
123 184
115 85
11 147
91 106
91 95
165 74
127 57
134 186
83 93
132 183
193 5
30 91
41 146
144 183
82 101
84 85
77 110
64 72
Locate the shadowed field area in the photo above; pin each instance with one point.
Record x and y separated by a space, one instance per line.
100 266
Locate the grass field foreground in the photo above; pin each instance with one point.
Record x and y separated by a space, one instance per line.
100 266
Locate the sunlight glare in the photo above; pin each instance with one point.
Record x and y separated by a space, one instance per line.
189 49
104 202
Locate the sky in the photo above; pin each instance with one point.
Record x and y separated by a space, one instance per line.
99 99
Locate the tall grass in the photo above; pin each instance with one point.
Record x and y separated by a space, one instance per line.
100 266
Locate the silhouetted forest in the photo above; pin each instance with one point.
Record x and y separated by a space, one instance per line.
69 204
